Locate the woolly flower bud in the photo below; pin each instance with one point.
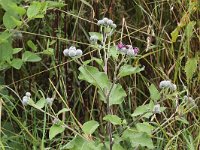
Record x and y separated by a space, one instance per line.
120 45
130 52
165 84
93 38
66 52
109 22
25 100
79 52
55 121
173 87
72 53
72 48
28 94
113 25
136 50
190 100
100 22
124 50
49 101
156 109
105 20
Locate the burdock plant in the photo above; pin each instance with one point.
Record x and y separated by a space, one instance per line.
110 91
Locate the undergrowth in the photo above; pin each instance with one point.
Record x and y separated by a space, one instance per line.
99 74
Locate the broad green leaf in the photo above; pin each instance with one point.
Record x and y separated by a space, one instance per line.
62 111
41 103
55 130
113 52
138 138
32 45
117 147
154 93
126 70
117 95
11 7
90 126
144 127
78 143
174 34
10 22
99 35
190 67
5 51
33 9
143 110
97 60
114 119
30 57
93 76
17 63
16 50
4 36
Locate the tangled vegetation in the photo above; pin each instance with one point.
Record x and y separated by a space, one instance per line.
99 74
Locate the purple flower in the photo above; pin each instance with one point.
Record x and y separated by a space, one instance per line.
136 50
120 45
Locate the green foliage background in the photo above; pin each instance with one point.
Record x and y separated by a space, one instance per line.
33 35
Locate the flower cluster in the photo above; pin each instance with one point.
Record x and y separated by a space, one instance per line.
26 98
127 49
72 52
167 84
106 22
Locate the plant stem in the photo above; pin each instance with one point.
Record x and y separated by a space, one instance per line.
107 93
